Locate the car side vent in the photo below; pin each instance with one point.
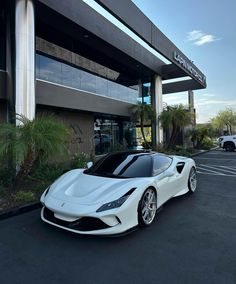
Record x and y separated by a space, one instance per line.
130 191
180 167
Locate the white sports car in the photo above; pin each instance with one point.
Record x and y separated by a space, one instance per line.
117 193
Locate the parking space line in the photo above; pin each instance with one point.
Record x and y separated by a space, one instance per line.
202 168
227 167
217 168
215 174
202 173
218 159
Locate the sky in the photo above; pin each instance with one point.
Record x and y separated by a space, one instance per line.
204 31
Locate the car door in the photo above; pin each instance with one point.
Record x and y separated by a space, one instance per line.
166 178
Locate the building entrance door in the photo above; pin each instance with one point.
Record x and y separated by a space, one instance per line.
106 136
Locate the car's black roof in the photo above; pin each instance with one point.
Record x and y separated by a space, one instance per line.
137 152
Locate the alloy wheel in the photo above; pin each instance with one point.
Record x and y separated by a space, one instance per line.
148 206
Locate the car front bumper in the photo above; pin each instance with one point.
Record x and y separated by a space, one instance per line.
85 220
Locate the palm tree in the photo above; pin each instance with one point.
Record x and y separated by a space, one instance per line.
145 114
31 141
175 118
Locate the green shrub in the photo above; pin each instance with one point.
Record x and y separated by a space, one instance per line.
7 175
3 192
24 196
177 150
79 160
51 171
207 144
48 172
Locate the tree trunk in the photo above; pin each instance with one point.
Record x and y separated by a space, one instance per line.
24 170
173 135
143 134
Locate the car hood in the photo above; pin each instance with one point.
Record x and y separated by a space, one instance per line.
77 187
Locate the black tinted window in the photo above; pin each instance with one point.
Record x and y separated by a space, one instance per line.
123 165
161 163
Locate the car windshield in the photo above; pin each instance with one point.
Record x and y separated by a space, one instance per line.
123 165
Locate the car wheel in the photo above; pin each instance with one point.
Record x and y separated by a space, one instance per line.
147 207
192 180
229 147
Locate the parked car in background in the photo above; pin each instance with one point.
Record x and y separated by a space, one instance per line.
228 142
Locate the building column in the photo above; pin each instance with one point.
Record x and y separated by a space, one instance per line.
190 99
156 93
191 105
25 58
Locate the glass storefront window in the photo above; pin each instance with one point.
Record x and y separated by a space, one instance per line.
51 70
113 135
106 135
146 94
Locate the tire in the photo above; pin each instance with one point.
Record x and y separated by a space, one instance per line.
192 180
147 207
229 146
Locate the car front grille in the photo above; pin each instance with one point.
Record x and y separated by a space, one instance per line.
82 224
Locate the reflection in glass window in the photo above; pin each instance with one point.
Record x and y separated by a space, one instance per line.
125 165
69 76
37 62
161 163
101 86
50 70
88 82
54 71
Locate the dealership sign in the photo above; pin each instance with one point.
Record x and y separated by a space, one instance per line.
178 58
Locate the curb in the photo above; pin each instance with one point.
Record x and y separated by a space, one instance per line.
203 152
19 210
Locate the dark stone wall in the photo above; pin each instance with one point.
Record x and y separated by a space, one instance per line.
81 125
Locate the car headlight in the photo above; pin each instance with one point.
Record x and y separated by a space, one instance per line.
113 204
116 203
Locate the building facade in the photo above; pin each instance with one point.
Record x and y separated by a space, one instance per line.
73 58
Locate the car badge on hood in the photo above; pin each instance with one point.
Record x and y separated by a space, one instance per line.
62 204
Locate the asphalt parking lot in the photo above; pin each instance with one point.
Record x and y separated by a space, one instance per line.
192 240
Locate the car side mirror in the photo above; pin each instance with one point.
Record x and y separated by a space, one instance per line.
89 164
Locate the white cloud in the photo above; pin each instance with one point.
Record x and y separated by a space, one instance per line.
207 95
194 35
175 99
200 38
224 103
